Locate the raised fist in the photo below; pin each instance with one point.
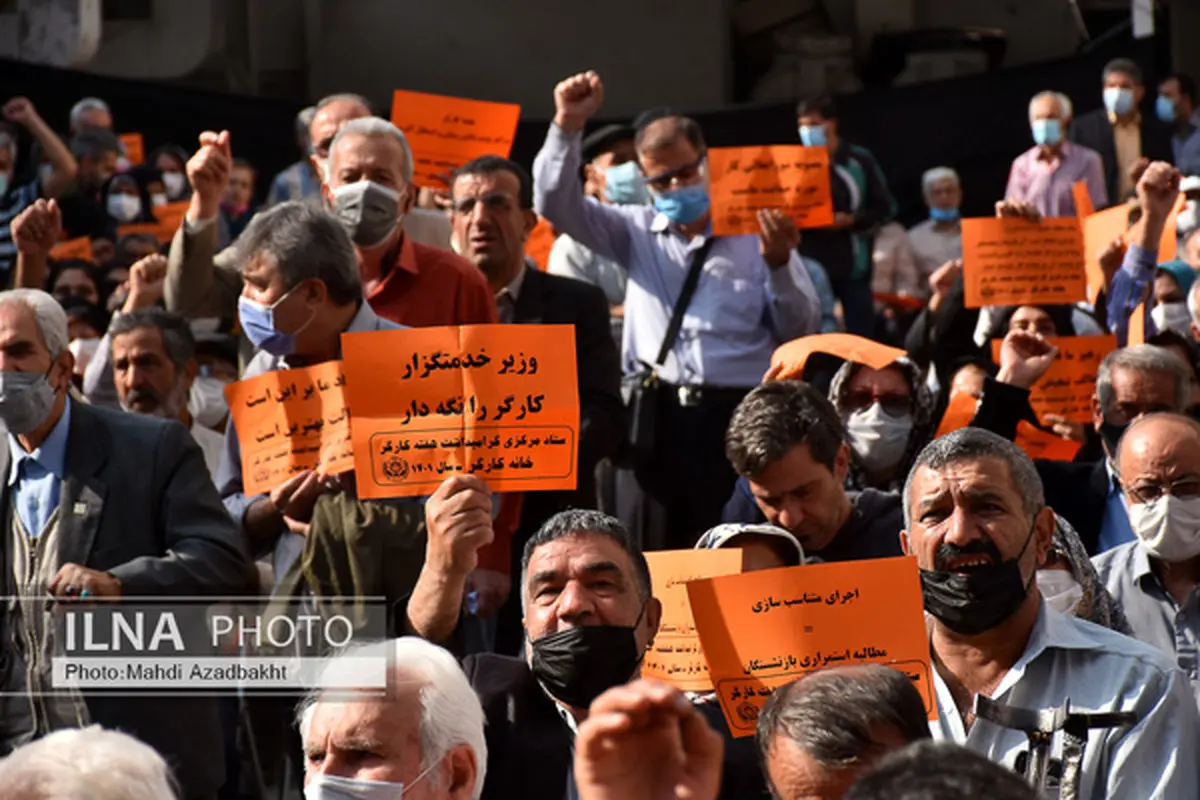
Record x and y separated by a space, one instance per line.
576 99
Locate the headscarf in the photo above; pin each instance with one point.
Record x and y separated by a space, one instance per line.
1096 605
922 414
1061 315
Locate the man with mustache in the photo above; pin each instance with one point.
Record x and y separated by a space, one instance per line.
979 527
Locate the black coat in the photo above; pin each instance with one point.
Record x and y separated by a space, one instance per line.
1095 131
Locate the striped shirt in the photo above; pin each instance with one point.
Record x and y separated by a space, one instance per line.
16 200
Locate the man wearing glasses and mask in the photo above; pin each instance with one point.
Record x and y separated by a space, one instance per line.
748 294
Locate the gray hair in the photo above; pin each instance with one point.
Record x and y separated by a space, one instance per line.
49 315
938 771
84 106
177 336
350 97
1143 358
1064 103
838 715
304 241
87 762
974 443
936 175
372 126
303 120
451 714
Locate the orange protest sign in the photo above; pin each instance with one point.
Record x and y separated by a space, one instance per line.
139 228
1083 199
447 132
676 657
501 401
1099 231
170 217
291 421
540 240
1041 444
789 358
1014 261
1068 386
788 178
905 302
78 248
1137 326
763 629
135 151
959 413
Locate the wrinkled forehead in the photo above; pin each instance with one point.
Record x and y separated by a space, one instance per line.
576 556
970 475
889 379
478 184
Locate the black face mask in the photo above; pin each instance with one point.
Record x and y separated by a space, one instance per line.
1111 434
578 665
976 601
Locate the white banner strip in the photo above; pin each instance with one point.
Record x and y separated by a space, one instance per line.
367 672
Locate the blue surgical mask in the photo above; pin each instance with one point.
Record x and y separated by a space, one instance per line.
258 321
623 185
685 204
1047 131
1164 107
943 214
1118 101
813 136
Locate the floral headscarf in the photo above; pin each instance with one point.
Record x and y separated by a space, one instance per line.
1096 605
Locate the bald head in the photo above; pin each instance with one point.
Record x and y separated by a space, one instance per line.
1159 450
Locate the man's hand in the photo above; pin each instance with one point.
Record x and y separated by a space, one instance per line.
147 278
294 499
491 589
576 99
208 172
1111 258
1065 428
778 237
37 229
21 111
1137 169
458 519
1024 358
76 582
1007 209
645 741
1158 190
941 282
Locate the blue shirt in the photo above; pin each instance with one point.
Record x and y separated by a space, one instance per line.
741 311
297 182
1186 148
1127 289
1115 528
36 478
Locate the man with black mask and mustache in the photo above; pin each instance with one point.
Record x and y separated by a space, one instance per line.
979 527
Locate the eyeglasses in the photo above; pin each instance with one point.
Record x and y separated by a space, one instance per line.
492 201
683 175
1184 489
897 405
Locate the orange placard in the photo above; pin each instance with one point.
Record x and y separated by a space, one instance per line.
763 629
1012 262
1041 444
291 421
171 217
676 657
788 178
500 401
540 240
904 302
1099 231
78 248
447 132
137 228
959 413
791 357
1083 199
135 151
1137 326
1068 386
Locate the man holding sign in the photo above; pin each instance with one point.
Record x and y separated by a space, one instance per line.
733 299
978 523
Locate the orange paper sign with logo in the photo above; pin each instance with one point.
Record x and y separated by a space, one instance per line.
1015 261
447 132
959 413
291 421
500 401
676 657
760 630
788 178
1068 386
540 240
80 248
1041 444
788 360
135 151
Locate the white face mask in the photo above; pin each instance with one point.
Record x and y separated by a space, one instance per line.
158 200
83 350
1172 317
174 183
1060 590
206 401
879 439
124 207
335 787
1169 527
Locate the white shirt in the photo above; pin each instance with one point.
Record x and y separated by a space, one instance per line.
212 444
1100 671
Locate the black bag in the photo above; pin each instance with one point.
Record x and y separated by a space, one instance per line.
643 387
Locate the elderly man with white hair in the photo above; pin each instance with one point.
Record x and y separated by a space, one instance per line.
1044 174
420 737
939 238
89 762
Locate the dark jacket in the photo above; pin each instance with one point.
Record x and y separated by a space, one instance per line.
137 501
1094 130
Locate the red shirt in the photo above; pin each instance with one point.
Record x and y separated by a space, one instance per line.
429 286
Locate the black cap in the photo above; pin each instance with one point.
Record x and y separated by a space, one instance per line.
651 114
602 140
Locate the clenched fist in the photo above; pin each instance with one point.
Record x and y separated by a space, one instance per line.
37 229
576 99
146 281
208 172
458 518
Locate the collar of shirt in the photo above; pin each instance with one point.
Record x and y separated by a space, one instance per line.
51 455
1114 480
1136 119
1052 630
562 710
407 258
364 320
1064 152
662 223
513 290
1139 566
